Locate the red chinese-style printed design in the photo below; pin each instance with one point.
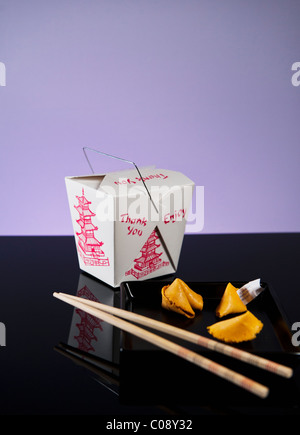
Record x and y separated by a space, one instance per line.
89 248
87 324
150 260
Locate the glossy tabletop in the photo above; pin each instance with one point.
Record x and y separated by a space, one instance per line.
40 373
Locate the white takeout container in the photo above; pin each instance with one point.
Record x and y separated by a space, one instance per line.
129 227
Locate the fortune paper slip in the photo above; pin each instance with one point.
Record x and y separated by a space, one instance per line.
129 225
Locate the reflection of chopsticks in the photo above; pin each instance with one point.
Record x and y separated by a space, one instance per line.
108 313
90 359
104 370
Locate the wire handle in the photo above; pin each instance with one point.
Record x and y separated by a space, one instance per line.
123 160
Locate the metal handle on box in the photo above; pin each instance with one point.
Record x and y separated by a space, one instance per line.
117 158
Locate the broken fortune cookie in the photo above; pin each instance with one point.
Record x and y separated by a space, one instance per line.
230 302
243 327
180 298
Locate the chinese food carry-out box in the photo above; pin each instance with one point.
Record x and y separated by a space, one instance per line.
127 226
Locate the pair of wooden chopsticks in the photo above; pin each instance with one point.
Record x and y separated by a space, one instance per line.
115 317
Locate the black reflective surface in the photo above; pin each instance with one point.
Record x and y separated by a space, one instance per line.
43 371
177 379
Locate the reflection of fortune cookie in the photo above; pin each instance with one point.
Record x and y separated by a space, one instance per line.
230 302
244 327
180 298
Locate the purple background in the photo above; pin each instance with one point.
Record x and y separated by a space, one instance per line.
199 86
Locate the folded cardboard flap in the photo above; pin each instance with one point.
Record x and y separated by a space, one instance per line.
92 181
129 226
99 181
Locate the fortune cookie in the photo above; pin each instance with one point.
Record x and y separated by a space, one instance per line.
230 302
243 327
178 297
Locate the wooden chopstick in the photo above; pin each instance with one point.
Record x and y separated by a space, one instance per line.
167 345
208 343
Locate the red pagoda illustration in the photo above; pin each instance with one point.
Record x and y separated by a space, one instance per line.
89 248
87 324
150 260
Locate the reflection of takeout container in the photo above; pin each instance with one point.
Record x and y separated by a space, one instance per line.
89 334
129 227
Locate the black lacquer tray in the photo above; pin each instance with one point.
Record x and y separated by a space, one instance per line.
149 374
